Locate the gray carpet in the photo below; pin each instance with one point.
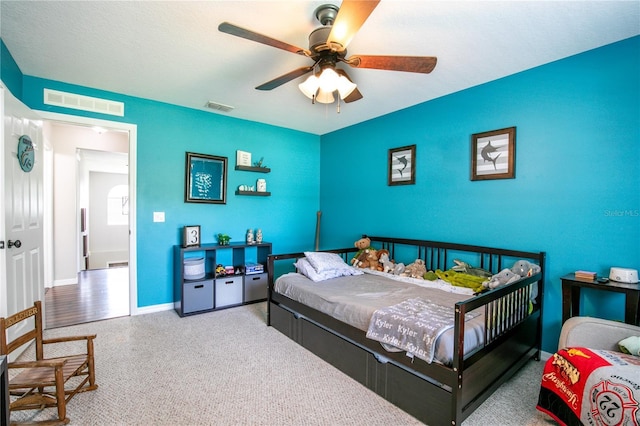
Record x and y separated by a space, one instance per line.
229 368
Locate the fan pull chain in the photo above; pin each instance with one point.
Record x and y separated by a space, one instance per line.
338 107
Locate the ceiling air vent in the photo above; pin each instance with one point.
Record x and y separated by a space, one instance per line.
218 107
84 103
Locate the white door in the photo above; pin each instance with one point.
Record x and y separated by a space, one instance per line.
22 282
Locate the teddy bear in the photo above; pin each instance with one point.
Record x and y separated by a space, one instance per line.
362 244
503 277
416 269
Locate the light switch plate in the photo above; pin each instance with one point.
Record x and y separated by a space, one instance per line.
158 216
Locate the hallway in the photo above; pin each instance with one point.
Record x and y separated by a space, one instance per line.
100 294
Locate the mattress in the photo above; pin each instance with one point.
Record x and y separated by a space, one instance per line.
354 299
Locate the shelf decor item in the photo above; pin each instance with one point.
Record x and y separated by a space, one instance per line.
206 179
243 158
194 268
191 236
493 154
402 167
223 239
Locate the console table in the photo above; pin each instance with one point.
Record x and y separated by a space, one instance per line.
571 296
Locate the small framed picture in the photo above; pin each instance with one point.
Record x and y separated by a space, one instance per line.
205 179
243 158
493 154
191 236
402 168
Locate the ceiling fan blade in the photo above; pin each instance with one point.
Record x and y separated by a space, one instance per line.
421 64
353 96
229 28
285 78
351 16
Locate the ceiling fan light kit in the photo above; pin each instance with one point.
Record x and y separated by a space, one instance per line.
321 88
327 47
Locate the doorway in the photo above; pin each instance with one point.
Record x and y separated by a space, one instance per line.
76 291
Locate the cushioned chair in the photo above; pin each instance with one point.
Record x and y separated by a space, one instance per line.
45 382
595 333
581 385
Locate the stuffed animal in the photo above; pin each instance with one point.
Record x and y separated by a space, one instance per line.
368 259
459 279
373 260
399 269
525 268
387 265
501 278
464 267
360 261
416 269
362 244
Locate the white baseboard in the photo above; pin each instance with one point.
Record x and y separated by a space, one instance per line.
544 356
153 308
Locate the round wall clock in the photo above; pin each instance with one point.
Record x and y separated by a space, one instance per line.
26 155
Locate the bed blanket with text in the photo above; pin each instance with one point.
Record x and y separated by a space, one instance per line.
582 386
413 325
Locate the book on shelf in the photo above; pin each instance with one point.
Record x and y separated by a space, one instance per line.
587 275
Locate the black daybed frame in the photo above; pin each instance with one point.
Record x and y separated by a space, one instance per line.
433 393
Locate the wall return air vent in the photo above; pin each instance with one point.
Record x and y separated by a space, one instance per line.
84 103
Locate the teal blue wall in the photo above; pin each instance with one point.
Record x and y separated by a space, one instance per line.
576 194
165 132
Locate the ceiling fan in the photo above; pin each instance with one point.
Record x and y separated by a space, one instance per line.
328 47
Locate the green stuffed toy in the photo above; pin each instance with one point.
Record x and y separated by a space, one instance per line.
464 267
461 279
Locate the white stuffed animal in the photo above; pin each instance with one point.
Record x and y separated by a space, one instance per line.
387 265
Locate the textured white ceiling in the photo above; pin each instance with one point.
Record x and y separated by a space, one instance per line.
172 51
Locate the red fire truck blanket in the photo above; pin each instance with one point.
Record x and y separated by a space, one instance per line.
582 386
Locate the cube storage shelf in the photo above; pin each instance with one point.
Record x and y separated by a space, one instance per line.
210 293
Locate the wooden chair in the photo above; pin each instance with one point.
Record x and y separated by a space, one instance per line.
45 382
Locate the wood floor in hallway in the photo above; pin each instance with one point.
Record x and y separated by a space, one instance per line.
100 294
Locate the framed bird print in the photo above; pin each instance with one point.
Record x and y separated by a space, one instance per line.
402 167
493 154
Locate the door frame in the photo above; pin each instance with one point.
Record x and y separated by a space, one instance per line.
133 140
3 251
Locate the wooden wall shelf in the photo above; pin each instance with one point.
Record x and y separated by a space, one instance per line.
254 169
255 193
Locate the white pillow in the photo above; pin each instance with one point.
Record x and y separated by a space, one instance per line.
305 268
323 261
